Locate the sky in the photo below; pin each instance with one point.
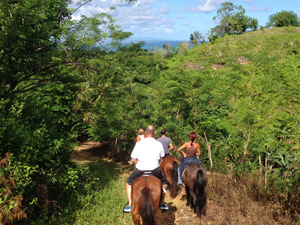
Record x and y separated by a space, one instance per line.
177 19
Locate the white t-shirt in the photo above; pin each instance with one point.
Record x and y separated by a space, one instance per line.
141 136
147 151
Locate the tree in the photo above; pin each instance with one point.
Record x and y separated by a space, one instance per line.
252 23
283 18
231 19
196 38
43 57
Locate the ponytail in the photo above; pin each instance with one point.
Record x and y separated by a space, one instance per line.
192 137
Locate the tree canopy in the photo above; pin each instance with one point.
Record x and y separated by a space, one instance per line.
283 18
231 19
196 38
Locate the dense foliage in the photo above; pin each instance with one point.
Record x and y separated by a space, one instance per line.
42 63
283 18
231 19
61 83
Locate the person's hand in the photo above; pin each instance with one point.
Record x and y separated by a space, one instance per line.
165 187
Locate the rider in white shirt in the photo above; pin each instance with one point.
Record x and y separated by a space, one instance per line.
146 155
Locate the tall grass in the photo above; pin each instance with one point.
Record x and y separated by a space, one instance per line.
102 198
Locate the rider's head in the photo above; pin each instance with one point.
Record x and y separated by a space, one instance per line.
163 131
141 131
192 136
150 131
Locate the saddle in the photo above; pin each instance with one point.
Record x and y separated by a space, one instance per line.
188 162
147 173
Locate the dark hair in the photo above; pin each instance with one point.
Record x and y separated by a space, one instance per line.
192 136
163 131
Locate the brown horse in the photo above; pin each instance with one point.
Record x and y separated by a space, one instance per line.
146 196
169 167
195 179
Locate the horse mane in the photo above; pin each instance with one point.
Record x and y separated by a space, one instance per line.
199 190
147 209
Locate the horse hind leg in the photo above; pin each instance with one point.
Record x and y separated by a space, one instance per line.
188 196
193 201
135 211
136 219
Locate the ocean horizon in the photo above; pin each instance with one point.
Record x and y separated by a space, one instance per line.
151 44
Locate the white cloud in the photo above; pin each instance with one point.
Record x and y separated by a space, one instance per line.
205 6
259 9
165 9
137 17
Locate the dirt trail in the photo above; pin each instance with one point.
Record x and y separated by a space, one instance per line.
227 203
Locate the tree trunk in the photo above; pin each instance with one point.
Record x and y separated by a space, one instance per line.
245 151
266 172
260 169
208 151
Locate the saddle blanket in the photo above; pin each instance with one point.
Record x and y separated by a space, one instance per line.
186 161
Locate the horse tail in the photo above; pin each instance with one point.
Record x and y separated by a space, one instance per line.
174 176
147 208
200 193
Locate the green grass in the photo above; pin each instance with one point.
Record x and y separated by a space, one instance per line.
103 198
275 42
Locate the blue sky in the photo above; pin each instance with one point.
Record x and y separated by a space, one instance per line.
177 19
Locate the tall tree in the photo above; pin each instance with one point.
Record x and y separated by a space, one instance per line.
196 38
231 19
43 57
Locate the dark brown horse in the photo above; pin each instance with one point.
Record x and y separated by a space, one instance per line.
169 167
145 195
195 179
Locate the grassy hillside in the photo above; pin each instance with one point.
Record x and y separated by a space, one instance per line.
277 42
242 93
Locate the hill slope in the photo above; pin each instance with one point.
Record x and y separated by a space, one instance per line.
241 95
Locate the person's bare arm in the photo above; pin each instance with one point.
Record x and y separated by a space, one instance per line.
160 160
134 160
171 147
138 138
198 150
180 149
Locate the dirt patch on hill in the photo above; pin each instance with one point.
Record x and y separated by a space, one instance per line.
193 66
218 66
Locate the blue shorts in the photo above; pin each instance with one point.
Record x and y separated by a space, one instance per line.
186 161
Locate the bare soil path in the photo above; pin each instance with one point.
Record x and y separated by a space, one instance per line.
228 203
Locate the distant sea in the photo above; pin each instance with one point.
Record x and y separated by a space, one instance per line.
150 44
159 44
